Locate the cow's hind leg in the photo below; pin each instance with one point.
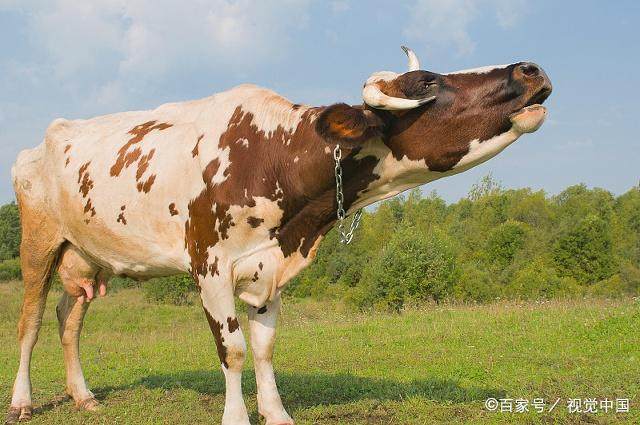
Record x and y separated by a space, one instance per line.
41 241
78 275
218 302
262 323
70 312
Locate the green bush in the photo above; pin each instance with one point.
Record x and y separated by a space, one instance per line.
9 231
176 290
585 253
412 267
624 283
538 280
120 282
475 284
10 270
504 242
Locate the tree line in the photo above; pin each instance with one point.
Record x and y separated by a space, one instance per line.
492 244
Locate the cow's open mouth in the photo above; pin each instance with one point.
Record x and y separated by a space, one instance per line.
539 97
531 117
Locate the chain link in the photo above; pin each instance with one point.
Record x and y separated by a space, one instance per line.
345 237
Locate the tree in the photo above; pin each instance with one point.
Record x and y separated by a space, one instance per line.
585 252
412 267
485 187
9 231
504 242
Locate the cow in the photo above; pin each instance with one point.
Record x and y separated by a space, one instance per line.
238 189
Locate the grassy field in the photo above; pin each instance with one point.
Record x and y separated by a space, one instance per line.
157 364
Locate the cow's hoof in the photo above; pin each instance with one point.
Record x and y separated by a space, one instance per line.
19 414
89 404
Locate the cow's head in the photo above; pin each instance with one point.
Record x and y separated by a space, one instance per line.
443 122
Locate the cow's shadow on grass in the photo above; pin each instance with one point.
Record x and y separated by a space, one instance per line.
300 390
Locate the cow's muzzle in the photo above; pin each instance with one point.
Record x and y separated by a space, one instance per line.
537 88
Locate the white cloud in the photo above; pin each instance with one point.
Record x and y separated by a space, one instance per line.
153 37
75 35
445 23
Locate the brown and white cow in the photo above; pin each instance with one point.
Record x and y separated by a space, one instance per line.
238 190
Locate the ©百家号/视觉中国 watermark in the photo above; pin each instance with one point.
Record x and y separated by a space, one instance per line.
572 405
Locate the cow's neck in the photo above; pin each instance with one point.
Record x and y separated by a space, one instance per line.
392 176
370 173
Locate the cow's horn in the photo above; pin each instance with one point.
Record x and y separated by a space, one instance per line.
414 63
374 97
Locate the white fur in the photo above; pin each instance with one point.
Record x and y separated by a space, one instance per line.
480 70
480 152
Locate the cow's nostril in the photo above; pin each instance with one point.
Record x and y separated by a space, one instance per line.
530 69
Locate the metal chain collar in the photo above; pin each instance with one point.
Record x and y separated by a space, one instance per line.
345 237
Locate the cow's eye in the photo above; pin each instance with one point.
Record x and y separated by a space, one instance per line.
423 86
428 83
418 84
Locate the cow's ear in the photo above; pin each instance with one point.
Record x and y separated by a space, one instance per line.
348 126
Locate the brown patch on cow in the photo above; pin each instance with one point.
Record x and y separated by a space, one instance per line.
88 207
254 221
121 218
143 164
210 170
307 201
196 148
66 162
127 156
66 148
260 265
200 233
224 222
86 184
255 277
262 309
145 186
213 268
216 330
232 324
172 209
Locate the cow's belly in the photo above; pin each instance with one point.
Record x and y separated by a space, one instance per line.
125 229
132 254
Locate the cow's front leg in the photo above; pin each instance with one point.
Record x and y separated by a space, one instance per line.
218 303
262 323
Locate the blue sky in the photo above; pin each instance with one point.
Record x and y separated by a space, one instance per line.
77 59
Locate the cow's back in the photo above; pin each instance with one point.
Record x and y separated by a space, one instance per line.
119 185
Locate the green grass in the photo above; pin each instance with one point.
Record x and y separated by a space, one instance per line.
157 364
